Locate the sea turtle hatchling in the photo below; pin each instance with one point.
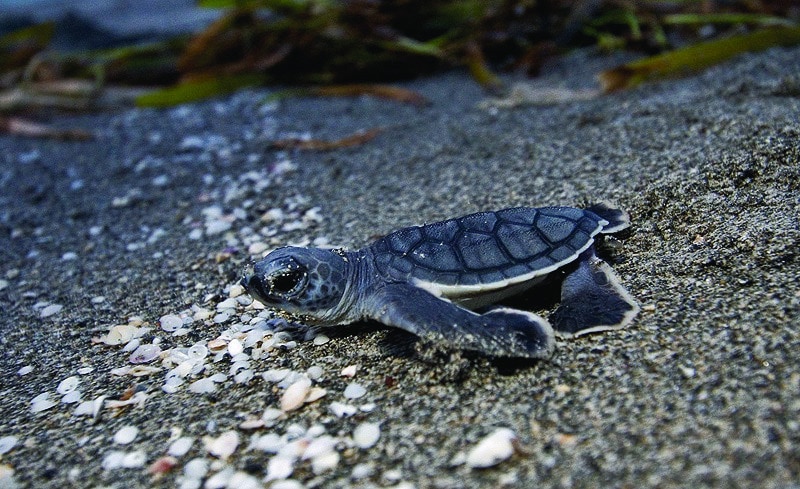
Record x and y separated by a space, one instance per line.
429 280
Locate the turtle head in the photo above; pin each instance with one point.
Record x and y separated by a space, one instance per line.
308 282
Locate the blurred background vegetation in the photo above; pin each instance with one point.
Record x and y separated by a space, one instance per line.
328 43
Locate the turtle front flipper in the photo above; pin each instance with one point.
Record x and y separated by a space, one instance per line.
592 299
501 332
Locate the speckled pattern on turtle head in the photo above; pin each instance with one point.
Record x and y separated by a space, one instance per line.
430 279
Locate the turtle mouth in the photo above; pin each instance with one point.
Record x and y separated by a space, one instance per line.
254 286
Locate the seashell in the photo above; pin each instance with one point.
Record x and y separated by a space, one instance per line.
143 370
134 460
71 397
145 353
217 344
170 322
315 394
279 467
325 462
203 386
315 372
126 435
349 371
181 446
252 424
42 402
68 385
113 460
196 468
220 479
270 443
243 480
119 334
354 391
50 310
7 443
341 410
295 395
222 446
319 446
320 340
492 449
235 347
366 435
162 465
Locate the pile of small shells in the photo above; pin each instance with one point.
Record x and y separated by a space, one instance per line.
247 352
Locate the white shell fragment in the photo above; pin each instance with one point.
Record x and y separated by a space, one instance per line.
170 322
341 410
50 310
7 443
224 445
354 391
492 449
126 435
366 435
70 384
181 446
42 402
295 395
279 467
145 353
120 334
349 371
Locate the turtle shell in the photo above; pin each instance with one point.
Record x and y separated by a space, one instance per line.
486 251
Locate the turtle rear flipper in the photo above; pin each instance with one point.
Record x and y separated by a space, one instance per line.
617 218
592 300
500 332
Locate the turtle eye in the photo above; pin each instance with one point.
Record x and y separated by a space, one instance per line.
286 281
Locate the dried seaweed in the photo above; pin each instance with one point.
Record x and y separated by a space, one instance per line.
356 139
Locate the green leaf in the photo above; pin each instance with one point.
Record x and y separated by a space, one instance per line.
192 91
696 57
725 18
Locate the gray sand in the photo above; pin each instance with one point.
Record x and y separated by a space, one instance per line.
702 390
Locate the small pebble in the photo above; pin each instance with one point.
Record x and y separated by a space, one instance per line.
25 370
320 340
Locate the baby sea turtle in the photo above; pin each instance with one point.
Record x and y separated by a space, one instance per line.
430 279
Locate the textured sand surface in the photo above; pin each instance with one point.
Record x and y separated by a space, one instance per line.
702 390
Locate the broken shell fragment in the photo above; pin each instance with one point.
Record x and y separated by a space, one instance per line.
492 449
